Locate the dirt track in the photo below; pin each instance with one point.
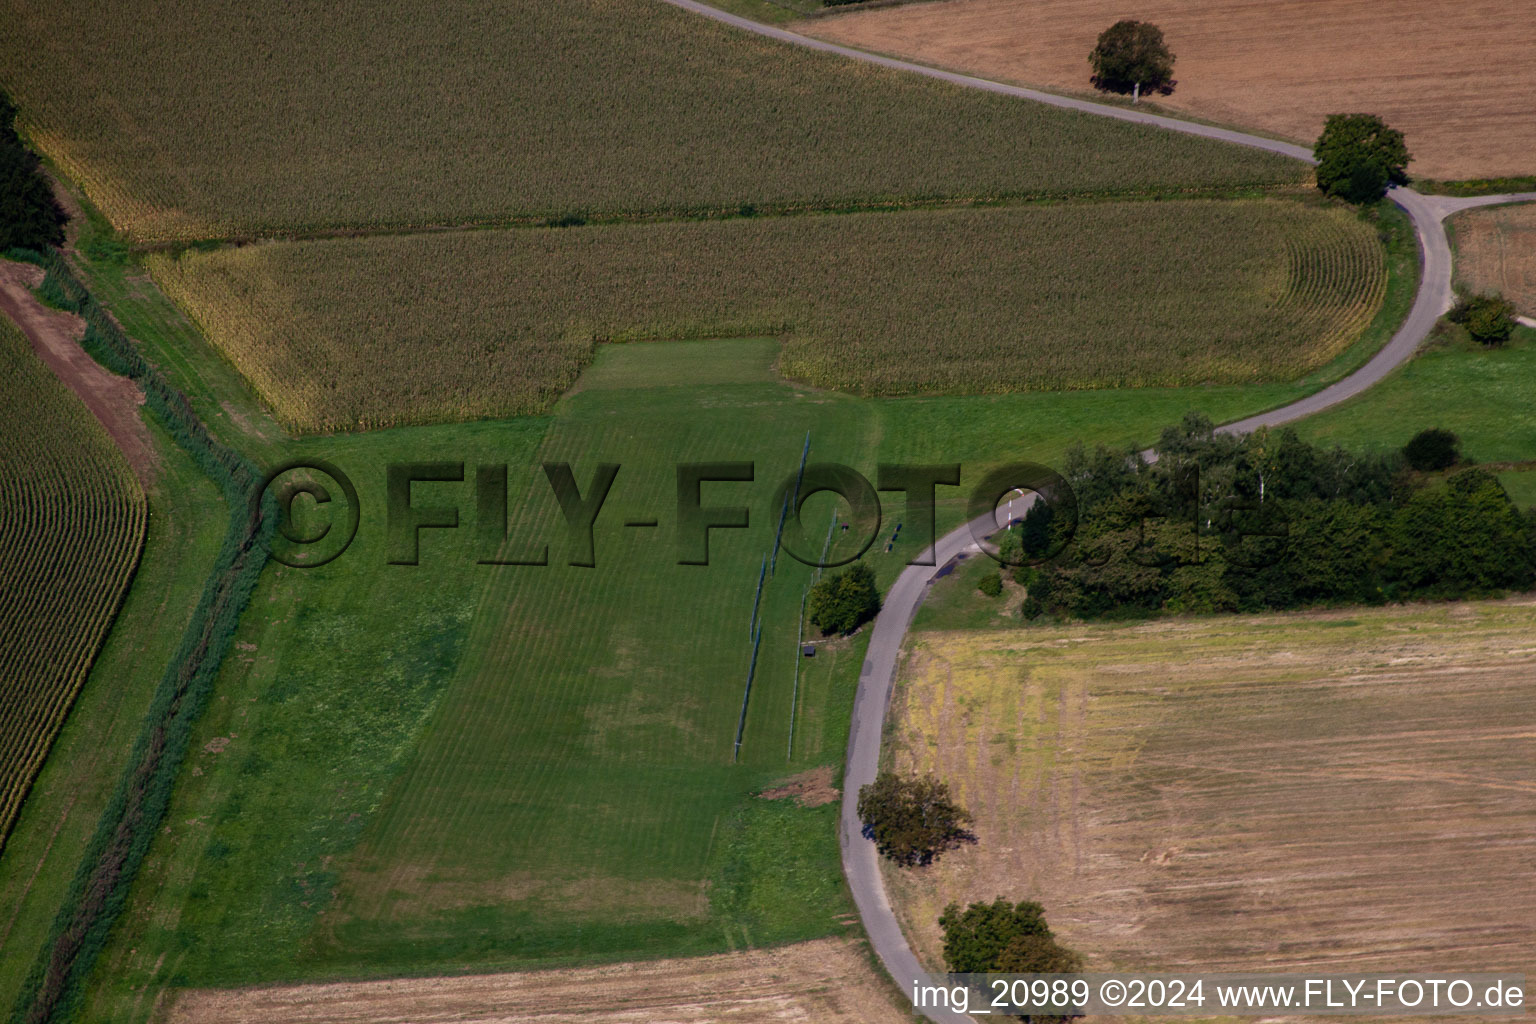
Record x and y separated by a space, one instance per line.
55 336
1457 80
824 982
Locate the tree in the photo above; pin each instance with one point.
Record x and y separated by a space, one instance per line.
1358 156
30 217
1466 538
1489 319
843 602
1038 954
1432 449
991 584
912 821
1131 56
975 938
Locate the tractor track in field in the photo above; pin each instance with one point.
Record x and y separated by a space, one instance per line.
878 674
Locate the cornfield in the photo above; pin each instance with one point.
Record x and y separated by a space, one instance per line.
360 333
220 118
72 522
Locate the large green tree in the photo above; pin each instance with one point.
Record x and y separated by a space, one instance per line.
1358 156
975 938
844 601
912 821
1131 57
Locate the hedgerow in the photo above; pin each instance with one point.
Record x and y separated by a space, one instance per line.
1268 522
133 815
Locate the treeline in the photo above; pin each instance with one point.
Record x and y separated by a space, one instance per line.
133 816
30 218
1265 521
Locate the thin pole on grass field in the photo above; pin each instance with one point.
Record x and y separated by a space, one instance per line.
758 599
741 722
827 544
790 500
804 453
794 694
779 535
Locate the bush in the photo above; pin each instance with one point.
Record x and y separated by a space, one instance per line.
1003 936
1432 449
991 584
1131 56
1032 608
912 821
843 602
1489 319
1358 156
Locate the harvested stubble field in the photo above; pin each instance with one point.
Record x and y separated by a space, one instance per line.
232 118
1457 79
824 982
72 520
1496 252
1349 790
473 324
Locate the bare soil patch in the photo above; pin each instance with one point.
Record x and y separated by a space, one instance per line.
55 337
811 788
1456 79
1496 252
1347 790
824 982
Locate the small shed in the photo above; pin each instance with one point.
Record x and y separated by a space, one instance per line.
809 650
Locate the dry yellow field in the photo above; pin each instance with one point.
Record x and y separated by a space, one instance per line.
1496 252
1351 790
1457 79
829 981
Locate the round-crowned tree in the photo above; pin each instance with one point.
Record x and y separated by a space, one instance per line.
1131 57
1432 449
843 602
1358 156
911 820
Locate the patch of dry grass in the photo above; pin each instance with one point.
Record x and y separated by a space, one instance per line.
1496 252
1345 790
829 981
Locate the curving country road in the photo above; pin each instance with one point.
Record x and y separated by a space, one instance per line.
860 861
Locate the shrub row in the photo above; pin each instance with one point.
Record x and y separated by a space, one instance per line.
1267 522
133 815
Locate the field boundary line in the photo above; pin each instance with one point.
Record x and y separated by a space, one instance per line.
703 214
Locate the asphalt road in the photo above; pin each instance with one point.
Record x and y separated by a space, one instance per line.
860 861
